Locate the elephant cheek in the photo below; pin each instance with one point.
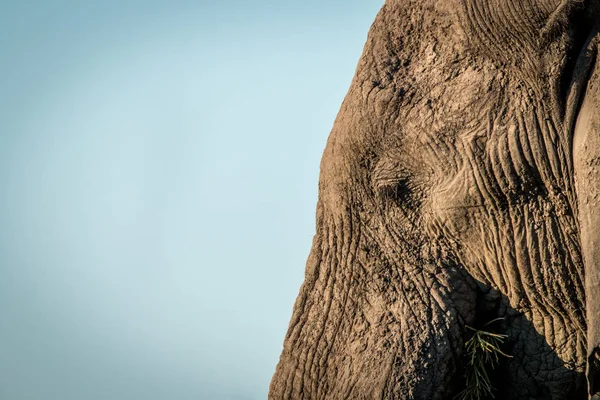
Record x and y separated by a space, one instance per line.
586 163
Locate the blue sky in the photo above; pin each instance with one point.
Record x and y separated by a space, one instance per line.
158 181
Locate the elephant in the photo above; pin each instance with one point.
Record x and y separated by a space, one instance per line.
458 194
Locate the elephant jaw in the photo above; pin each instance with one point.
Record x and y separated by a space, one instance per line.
586 164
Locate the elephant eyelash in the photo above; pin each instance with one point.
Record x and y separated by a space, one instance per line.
398 189
401 191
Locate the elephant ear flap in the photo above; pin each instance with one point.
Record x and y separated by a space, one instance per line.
560 17
586 164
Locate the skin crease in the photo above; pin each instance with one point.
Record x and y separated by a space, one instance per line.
457 187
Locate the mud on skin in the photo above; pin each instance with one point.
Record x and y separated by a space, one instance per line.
460 184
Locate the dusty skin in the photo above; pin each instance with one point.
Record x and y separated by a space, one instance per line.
460 184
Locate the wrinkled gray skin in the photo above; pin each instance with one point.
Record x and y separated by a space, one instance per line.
460 184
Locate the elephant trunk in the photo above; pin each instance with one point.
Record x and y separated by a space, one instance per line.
370 322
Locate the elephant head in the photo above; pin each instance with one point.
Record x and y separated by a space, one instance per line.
460 185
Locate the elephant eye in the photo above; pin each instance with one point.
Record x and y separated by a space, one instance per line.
397 190
397 181
393 184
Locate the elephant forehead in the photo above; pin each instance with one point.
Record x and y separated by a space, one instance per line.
505 24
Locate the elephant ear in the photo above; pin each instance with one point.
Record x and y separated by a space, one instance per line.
586 163
559 19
